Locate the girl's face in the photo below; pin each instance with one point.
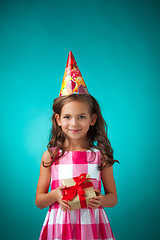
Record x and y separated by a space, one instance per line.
75 120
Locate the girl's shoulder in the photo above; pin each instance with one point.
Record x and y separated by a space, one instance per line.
46 156
46 159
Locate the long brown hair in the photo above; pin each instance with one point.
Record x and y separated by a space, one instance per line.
97 134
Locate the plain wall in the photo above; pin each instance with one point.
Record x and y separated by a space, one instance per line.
116 46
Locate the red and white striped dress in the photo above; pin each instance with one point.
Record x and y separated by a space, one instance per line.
80 224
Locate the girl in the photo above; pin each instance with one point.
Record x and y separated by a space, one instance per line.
78 144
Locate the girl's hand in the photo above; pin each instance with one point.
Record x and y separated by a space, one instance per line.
96 201
58 196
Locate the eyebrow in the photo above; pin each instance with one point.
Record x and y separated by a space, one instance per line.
77 114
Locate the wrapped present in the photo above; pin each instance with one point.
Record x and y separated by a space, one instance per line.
78 191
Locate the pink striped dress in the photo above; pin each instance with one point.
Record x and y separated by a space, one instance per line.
80 224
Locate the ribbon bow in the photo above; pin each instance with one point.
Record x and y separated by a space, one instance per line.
70 192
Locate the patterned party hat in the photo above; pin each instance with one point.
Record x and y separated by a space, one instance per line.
73 82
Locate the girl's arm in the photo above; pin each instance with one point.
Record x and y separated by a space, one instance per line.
110 197
43 197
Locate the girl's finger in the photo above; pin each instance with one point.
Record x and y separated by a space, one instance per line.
95 201
97 192
65 202
97 198
93 206
64 210
61 195
61 187
65 205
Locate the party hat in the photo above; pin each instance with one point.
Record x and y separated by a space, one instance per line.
73 82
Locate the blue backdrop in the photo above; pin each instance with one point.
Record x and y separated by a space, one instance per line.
116 46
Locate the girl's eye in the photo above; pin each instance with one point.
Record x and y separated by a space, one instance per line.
82 117
66 117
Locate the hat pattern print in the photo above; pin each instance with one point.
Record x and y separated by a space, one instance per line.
73 82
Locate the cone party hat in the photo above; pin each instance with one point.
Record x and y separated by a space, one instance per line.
73 82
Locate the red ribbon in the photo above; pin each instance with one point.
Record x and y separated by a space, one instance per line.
70 192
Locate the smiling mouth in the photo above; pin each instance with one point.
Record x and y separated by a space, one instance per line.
74 130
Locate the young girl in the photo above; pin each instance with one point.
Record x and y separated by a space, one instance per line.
78 144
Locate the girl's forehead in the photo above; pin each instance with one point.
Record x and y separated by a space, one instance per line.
75 106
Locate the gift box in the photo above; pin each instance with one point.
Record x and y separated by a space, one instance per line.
78 191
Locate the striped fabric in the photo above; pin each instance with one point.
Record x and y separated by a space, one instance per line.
80 224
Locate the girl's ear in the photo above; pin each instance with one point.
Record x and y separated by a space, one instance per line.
58 119
94 119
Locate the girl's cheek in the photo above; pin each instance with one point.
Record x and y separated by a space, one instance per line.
65 125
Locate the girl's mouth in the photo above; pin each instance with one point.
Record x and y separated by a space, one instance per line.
74 130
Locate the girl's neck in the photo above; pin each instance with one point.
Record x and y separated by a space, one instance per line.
74 146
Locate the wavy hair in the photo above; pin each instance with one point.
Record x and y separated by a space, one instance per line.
97 134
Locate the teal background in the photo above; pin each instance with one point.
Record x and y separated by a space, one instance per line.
116 46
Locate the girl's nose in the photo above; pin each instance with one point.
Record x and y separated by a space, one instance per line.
74 122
